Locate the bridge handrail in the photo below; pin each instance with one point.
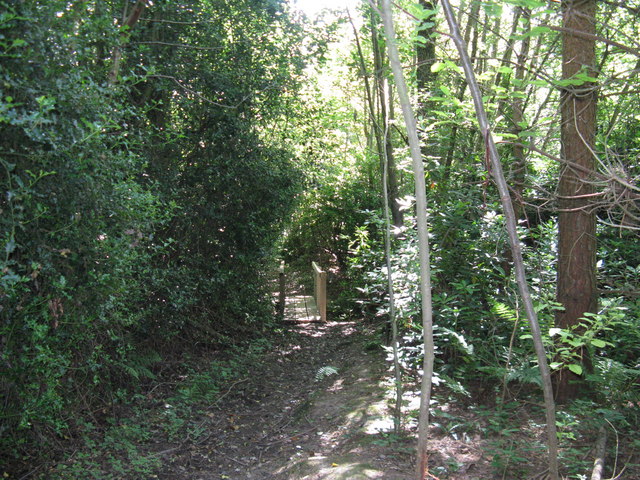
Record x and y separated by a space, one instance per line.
320 290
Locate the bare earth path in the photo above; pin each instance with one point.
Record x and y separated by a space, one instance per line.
312 409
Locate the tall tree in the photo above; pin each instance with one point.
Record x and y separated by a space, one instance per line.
493 158
426 47
423 239
385 100
426 76
576 289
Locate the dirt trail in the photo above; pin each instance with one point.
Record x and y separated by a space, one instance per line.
312 409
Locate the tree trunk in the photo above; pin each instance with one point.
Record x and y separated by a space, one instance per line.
470 28
425 81
128 21
426 51
519 166
423 239
516 249
380 80
576 290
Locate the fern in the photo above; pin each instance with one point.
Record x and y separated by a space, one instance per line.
504 311
324 372
525 375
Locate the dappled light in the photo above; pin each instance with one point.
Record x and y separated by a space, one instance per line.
259 240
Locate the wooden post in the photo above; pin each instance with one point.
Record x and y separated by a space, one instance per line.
281 296
320 290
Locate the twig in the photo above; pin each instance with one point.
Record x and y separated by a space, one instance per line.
239 462
27 475
540 476
168 450
177 45
228 391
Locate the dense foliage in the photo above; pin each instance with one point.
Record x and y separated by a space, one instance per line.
141 196
483 340
156 157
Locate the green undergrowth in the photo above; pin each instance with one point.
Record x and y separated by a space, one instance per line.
512 435
129 441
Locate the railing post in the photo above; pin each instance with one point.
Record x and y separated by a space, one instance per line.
320 290
281 296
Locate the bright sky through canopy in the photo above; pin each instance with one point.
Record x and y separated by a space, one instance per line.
313 7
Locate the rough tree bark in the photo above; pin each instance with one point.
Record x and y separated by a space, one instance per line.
576 290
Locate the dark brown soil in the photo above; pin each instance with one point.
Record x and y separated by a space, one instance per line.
306 412
317 407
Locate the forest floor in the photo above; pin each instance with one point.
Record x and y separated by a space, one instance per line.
311 409
314 404
315 407
311 403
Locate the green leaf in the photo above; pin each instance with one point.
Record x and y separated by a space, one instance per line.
577 369
532 4
437 67
534 32
446 90
10 246
325 371
596 342
554 331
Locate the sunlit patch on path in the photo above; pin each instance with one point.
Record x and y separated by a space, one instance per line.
301 309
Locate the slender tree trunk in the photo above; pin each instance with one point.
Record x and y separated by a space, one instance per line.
425 80
514 241
423 239
397 417
577 291
128 21
387 239
370 100
519 166
470 28
381 81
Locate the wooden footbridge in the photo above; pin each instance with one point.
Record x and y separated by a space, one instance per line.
299 307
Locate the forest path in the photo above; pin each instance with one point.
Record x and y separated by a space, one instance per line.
312 408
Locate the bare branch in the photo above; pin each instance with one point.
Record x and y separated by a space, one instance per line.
177 45
198 95
577 33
